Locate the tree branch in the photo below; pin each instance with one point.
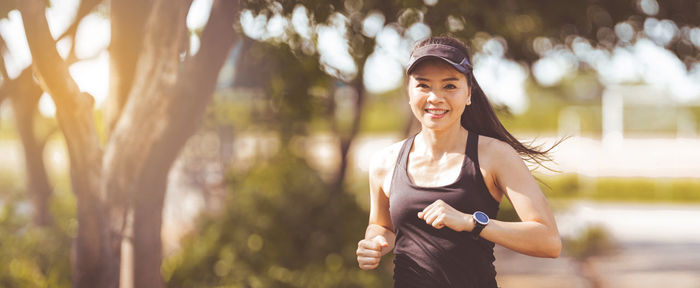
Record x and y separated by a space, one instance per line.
203 68
49 65
74 113
144 113
73 108
25 98
4 91
3 69
128 20
86 6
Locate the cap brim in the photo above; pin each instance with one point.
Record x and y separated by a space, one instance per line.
449 54
414 64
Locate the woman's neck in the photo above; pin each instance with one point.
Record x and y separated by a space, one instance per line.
437 143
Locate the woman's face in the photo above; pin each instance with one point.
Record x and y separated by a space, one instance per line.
437 94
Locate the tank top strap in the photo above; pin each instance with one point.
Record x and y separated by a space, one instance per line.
402 159
472 149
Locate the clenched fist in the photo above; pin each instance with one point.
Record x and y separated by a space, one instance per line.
369 252
440 214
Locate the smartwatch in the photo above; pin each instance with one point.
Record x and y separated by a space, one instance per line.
480 221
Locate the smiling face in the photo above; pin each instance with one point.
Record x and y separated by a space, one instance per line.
437 94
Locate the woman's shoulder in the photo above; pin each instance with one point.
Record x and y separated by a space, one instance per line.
490 143
384 160
495 151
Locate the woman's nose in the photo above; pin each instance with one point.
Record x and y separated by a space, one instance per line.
434 97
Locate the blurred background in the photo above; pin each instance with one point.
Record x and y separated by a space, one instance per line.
269 187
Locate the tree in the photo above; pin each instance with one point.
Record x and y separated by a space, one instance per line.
24 95
160 101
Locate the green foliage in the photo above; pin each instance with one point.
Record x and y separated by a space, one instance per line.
569 186
33 256
695 112
518 22
536 118
283 227
386 113
578 94
281 91
595 240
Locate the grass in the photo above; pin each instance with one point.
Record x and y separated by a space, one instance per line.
566 187
572 186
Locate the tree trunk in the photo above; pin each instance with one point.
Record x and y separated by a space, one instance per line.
24 94
171 128
191 98
74 114
127 23
141 122
346 137
148 209
25 98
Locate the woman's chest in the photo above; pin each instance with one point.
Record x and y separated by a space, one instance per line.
434 173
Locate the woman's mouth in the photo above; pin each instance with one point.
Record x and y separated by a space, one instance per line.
436 113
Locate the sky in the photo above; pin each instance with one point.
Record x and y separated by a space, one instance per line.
646 60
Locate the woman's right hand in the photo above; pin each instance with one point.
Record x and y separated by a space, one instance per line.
369 252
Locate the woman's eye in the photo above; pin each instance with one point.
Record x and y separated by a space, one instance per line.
421 85
450 86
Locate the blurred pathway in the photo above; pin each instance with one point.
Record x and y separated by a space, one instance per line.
630 157
658 246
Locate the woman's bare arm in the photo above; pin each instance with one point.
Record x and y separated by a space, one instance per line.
379 217
537 233
379 236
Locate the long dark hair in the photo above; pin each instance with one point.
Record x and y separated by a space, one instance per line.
480 117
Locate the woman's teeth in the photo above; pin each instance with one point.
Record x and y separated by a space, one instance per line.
436 111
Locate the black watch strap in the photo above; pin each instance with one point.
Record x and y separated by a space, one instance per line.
477 230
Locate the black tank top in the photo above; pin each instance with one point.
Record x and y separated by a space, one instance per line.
430 257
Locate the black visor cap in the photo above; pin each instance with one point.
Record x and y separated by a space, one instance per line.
449 54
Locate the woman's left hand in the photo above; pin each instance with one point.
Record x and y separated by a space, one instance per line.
440 214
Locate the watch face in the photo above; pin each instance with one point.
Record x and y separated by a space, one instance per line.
481 217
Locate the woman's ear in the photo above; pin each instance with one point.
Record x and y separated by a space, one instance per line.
469 96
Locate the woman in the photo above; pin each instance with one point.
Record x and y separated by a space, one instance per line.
435 194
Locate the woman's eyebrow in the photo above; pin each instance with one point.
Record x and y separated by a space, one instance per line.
443 80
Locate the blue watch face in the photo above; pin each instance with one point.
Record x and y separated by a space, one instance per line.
481 217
